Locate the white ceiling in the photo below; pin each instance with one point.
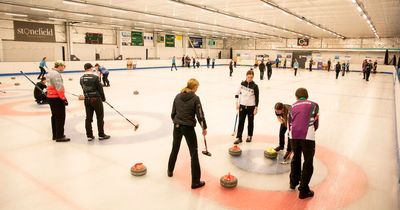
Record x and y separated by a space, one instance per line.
231 18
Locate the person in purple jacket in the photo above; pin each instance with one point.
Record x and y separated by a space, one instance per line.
303 122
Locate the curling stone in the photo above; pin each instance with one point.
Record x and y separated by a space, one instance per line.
228 181
16 84
138 169
12 77
81 97
235 151
270 153
70 79
135 92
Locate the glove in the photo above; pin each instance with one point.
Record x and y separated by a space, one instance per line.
44 90
66 102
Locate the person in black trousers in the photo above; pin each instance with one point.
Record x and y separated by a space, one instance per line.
303 123
329 64
213 63
282 113
194 62
269 69
337 68
368 70
57 101
185 108
94 97
41 67
261 67
343 68
230 68
40 92
208 62
183 61
247 105
311 64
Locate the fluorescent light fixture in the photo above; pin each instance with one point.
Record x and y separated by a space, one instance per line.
41 10
365 16
16 15
368 21
354 1
139 28
359 8
58 19
267 5
117 10
74 3
167 26
117 19
83 15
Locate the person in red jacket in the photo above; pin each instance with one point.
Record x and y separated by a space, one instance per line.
57 101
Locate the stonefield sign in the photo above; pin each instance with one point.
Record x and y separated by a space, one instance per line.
34 32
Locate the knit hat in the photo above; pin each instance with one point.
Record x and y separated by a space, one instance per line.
59 63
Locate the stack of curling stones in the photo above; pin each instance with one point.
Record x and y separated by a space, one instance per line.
70 79
270 153
81 97
16 84
135 92
228 181
235 151
12 77
138 169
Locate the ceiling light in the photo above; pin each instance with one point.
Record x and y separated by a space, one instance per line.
117 19
267 5
354 1
359 8
41 10
365 16
17 15
74 3
58 19
83 15
117 10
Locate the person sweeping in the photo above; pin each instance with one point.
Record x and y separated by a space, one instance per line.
186 107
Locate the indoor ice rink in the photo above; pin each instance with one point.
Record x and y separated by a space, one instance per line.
356 160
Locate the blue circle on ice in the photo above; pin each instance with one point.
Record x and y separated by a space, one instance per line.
253 160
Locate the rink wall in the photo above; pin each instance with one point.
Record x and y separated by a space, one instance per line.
13 68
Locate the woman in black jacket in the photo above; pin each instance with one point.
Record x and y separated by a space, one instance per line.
186 107
247 105
261 67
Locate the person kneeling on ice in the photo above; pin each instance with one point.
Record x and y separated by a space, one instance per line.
303 122
103 74
282 113
94 97
247 105
40 94
185 108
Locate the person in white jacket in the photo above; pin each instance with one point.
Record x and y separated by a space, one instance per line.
247 105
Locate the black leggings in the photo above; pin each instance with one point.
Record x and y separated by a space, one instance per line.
295 71
297 175
191 140
269 73
282 132
42 72
57 107
106 82
243 112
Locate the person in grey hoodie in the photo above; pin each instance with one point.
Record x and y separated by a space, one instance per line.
185 108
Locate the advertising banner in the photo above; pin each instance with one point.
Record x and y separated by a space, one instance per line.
126 38
169 40
197 42
137 38
34 32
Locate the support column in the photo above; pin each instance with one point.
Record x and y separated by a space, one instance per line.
119 50
184 44
1 51
68 33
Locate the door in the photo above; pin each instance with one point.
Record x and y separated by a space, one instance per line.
301 57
